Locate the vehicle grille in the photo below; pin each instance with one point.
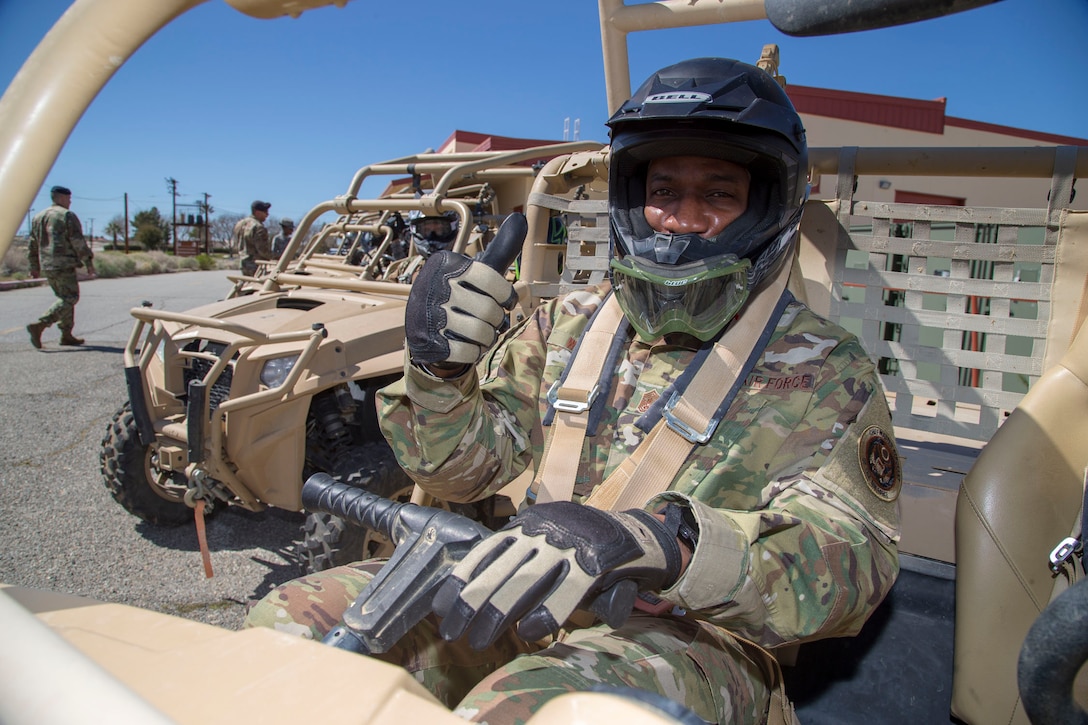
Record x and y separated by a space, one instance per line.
198 368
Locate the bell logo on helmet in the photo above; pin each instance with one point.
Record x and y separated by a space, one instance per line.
678 97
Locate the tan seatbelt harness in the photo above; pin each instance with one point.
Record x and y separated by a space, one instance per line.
571 399
688 419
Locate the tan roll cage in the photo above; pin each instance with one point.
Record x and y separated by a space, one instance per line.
94 38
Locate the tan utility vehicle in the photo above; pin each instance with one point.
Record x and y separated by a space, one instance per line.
963 307
239 401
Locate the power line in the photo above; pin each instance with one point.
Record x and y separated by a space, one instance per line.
94 198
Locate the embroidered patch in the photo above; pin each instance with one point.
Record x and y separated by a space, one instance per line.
780 382
648 399
880 463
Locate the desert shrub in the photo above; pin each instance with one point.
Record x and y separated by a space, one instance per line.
153 263
109 264
15 264
115 264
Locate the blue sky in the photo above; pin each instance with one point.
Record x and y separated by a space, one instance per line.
287 110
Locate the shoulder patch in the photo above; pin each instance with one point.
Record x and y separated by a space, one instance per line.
880 463
870 489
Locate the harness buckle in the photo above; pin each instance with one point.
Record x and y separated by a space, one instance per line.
1063 552
685 430
571 406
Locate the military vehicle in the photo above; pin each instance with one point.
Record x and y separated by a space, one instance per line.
986 621
238 402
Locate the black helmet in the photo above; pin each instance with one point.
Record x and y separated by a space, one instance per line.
718 108
433 233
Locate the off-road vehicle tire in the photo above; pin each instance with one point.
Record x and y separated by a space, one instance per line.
328 540
131 473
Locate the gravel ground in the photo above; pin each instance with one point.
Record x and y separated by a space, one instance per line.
61 529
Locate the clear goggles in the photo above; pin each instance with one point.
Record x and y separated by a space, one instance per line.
697 298
436 228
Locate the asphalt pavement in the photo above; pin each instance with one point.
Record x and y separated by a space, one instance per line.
59 528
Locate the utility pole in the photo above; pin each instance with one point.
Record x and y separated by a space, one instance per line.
207 224
29 216
126 222
91 237
172 185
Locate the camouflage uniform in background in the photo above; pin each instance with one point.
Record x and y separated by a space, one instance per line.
283 238
797 520
57 248
251 237
279 244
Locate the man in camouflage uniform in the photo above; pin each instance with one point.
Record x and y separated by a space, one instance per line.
57 248
780 528
281 240
251 237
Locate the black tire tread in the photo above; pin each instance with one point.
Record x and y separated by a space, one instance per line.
122 463
329 541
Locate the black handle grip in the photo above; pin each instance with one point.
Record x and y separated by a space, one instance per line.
507 244
322 492
394 520
429 542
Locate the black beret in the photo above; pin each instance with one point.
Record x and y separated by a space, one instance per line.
260 206
61 190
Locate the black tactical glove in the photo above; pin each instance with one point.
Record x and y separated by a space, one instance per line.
548 561
455 310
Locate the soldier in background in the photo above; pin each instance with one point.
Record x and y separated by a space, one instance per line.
251 238
281 240
58 249
776 524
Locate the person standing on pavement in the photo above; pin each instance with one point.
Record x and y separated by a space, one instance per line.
281 240
251 237
57 249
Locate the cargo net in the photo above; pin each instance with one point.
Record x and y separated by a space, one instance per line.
953 305
578 230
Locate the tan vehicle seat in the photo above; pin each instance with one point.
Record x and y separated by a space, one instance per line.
1021 498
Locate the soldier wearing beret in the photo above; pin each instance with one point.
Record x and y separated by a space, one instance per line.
57 249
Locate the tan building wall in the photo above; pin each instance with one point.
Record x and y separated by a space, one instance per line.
828 131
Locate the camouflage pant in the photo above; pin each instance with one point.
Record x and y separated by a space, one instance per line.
249 266
684 660
65 286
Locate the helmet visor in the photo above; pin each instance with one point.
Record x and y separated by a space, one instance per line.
433 228
697 298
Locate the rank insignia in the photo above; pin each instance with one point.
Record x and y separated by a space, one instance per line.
648 399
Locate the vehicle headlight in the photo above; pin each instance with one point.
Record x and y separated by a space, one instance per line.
276 370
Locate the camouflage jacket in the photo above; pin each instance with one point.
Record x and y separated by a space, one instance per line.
251 237
279 245
56 240
797 519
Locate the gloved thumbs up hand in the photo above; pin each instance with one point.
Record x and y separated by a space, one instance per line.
458 305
